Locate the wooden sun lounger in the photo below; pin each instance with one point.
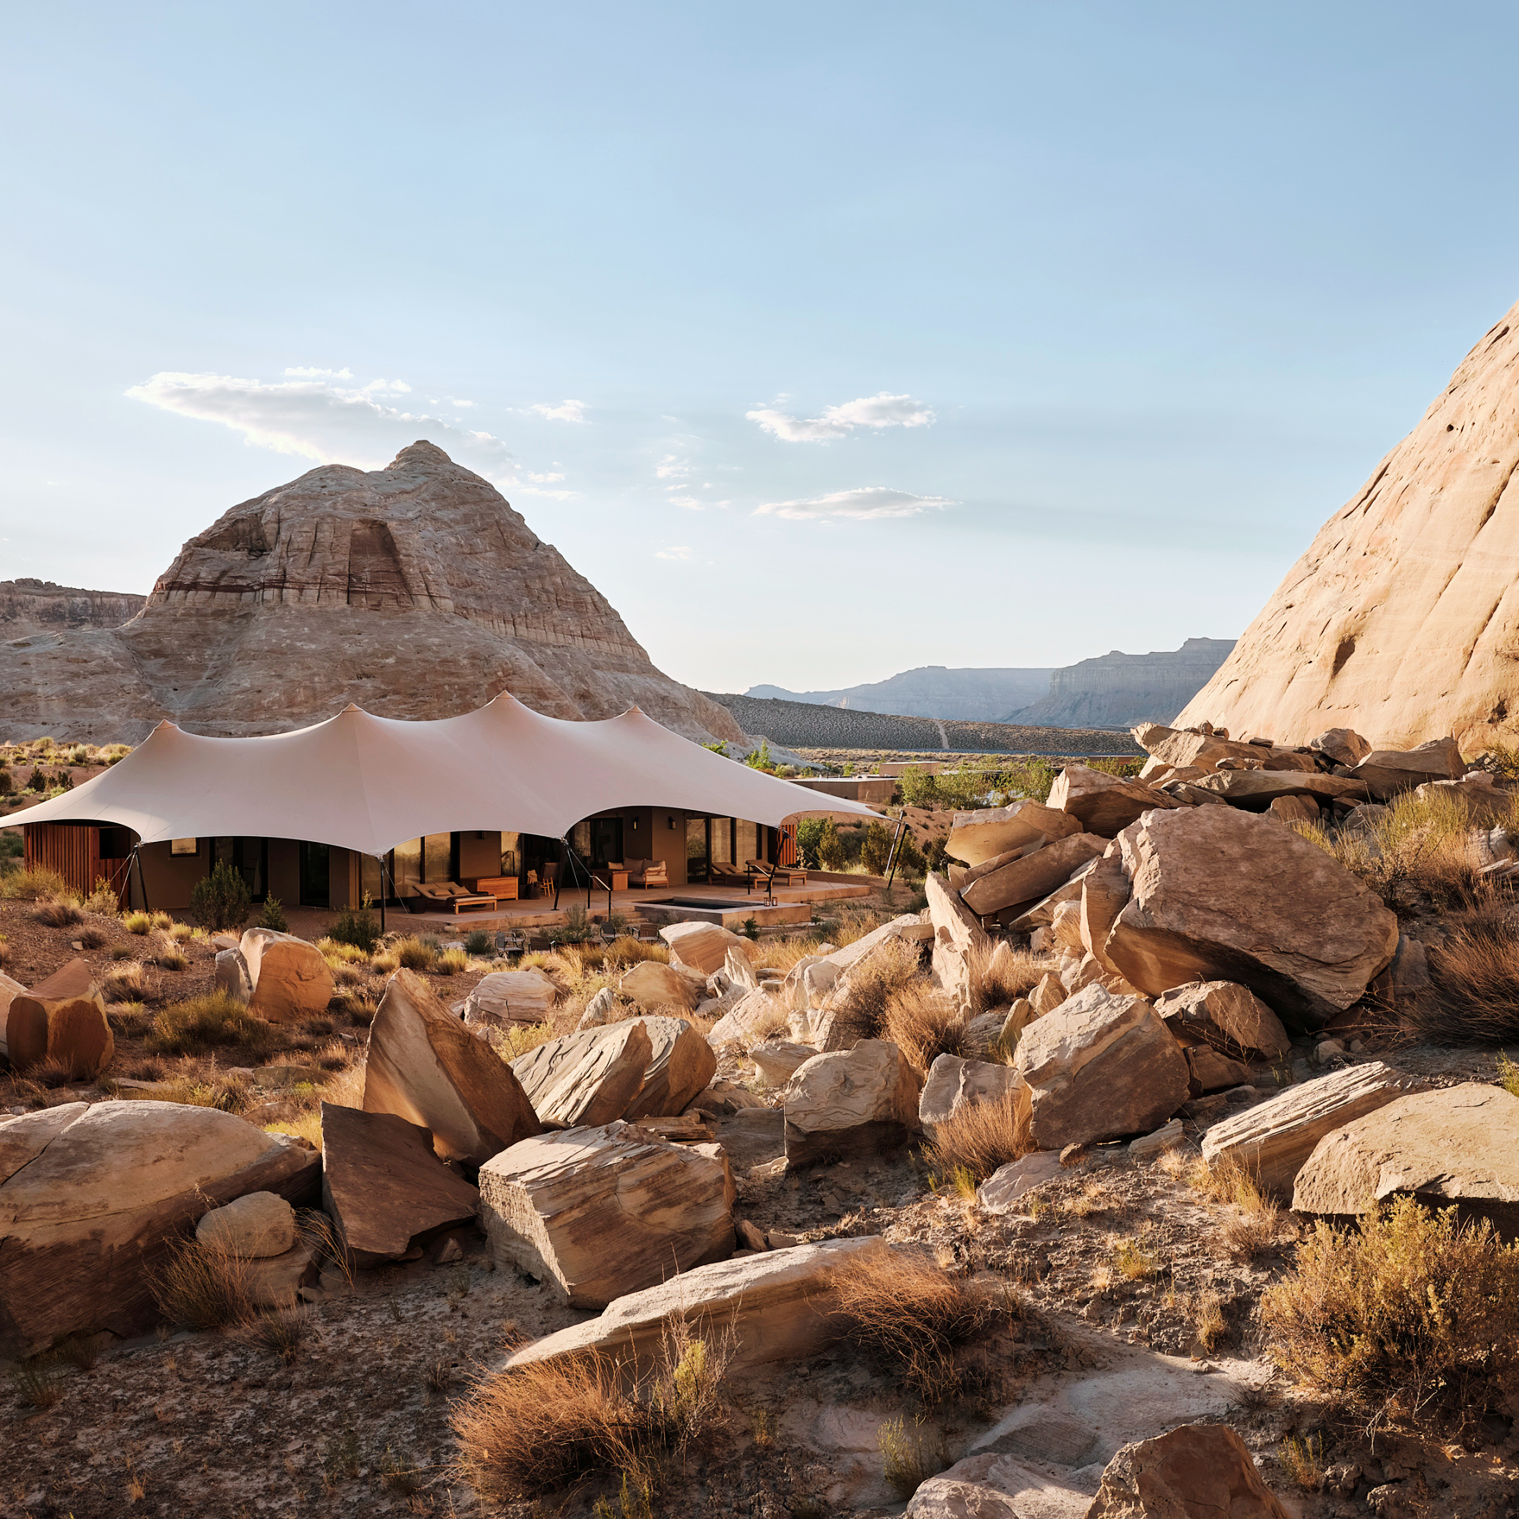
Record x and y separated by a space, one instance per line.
783 873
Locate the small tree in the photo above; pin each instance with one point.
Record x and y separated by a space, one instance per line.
358 927
221 900
832 855
875 849
273 916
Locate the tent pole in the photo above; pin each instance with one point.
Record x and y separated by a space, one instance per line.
142 880
380 861
891 860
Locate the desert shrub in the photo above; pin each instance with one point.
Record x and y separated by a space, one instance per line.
125 982
357 926
999 980
12 845
808 833
57 914
221 900
211 1021
1476 978
520 1038
102 899
136 922
577 927
980 1137
874 849
924 1024
273 916
1411 1314
451 961
37 780
831 851
890 968
7 781
630 951
202 1286
38 1380
917 1322
415 953
33 885
910 859
228 1094
479 943
529 1432
909 1456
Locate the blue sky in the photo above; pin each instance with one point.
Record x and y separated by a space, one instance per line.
827 340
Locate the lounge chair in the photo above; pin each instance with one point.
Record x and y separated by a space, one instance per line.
771 873
439 894
721 872
647 873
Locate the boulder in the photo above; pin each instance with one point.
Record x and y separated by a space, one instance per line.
1191 748
1102 803
73 1031
8 989
1098 1067
274 1281
777 1304
1294 809
1485 801
851 1102
1011 1183
1042 913
959 941
250 1227
755 1016
954 1084
1457 1147
1225 1015
588 1078
231 975
505 997
702 946
1169 1136
1031 876
776 1060
909 927
680 1065
1213 1072
818 981
602 1211
1199 1471
979 836
384 1187
601 1009
651 985
739 970
1386 772
426 1067
1221 895
997 1486
1104 894
1271 1141
91 1198
1342 745
1256 790
291 981
1047 995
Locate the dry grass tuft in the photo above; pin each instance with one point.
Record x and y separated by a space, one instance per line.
56 913
211 1021
125 982
1002 979
1134 1262
50 1072
981 1137
202 1286
1303 1460
1411 1314
924 1024
910 1457
1208 1319
869 986
452 961
136 922
520 1039
1476 977
32 885
414 954
918 1322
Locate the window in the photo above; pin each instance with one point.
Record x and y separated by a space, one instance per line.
511 854
722 840
748 842
406 873
438 857
184 846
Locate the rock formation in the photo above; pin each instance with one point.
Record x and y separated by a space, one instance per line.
415 591
1117 690
1402 619
29 606
976 695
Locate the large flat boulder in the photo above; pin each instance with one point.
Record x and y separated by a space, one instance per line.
1225 1015
997 1486
603 1211
976 837
1032 875
384 1187
1386 772
702 946
1042 913
1097 1067
427 1068
953 1085
1102 803
651 985
1191 748
1199 1471
587 1078
505 997
959 940
1458 1147
851 1102
681 1064
92 1197
1273 1140
778 1305
1223 895
291 981
1256 790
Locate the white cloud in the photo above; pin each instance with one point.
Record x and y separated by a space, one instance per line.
565 411
318 374
690 503
863 505
884 410
318 420
680 553
544 479
672 468
454 401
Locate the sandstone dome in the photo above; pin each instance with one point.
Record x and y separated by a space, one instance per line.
1402 619
414 590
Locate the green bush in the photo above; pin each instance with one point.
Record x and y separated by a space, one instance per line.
37 780
576 928
479 943
809 831
832 855
910 861
7 781
358 927
221 900
208 1022
875 848
273 916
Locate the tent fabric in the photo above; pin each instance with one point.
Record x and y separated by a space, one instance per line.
370 783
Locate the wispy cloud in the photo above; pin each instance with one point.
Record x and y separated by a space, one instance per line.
679 552
690 503
546 479
863 505
565 411
884 410
672 468
316 419
299 373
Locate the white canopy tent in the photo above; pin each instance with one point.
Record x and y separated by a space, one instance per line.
370 783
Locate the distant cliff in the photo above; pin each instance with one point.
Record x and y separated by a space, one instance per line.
975 695
30 606
1117 690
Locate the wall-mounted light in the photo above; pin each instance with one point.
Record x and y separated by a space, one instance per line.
635 825
670 824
